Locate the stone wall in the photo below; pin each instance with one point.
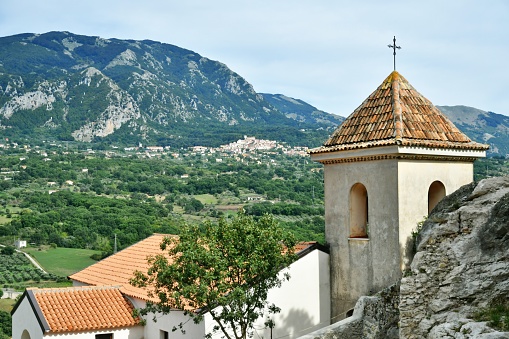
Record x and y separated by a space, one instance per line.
461 265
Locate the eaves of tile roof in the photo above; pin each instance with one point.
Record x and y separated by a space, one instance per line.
119 268
396 114
75 309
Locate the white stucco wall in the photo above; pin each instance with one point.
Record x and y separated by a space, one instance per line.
166 322
25 319
304 300
415 178
121 333
355 271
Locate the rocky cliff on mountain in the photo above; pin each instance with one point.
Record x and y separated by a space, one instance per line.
461 266
60 85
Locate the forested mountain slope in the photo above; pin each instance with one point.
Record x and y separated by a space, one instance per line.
74 87
486 127
64 86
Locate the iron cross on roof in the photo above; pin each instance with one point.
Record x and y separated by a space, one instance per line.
393 46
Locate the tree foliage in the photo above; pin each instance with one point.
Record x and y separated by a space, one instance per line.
122 194
7 250
5 325
225 271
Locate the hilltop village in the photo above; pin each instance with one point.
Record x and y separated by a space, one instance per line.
242 150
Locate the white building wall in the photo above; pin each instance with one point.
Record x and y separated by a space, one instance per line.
304 300
415 178
21 244
122 333
25 319
355 271
166 322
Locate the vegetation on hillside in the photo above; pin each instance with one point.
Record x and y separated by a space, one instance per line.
17 271
491 167
83 199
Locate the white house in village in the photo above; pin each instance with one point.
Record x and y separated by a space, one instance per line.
20 244
101 303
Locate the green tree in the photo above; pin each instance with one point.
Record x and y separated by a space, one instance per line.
5 324
8 250
226 271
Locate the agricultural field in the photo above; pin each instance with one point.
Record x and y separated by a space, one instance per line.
62 262
6 305
16 271
206 199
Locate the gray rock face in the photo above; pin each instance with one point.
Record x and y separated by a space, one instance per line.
461 265
374 317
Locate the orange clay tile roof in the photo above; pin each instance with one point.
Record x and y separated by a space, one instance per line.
119 268
83 308
304 245
396 114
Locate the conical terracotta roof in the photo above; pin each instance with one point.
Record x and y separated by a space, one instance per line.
396 114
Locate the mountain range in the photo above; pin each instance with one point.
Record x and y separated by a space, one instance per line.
64 86
486 127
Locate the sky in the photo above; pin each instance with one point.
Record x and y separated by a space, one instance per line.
329 53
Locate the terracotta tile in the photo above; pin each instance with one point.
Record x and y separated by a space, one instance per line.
62 308
374 120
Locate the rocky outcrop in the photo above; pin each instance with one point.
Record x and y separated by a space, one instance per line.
461 265
374 317
460 268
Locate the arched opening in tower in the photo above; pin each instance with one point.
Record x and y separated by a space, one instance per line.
358 211
436 193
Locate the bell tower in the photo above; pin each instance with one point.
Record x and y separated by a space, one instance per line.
390 162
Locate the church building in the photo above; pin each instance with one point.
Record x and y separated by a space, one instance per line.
385 168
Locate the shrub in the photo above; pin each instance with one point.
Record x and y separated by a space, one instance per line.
8 250
5 324
497 315
99 256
